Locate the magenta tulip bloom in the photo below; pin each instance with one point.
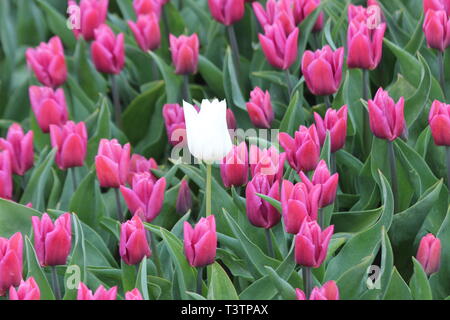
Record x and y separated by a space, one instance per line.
133 245
275 11
234 166
11 262
48 62
108 50
436 5
439 120
143 7
101 294
134 294
71 143
92 15
260 108
139 164
20 147
227 12
323 70
184 51
175 124
334 122
268 162
6 179
49 106
303 8
429 253
437 29
146 32
112 163
386 117
311 244
329 291
231 120
200 243
27 290
52 241
184 198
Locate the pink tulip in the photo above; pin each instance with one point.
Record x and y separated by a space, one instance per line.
260 108
311 244
234 167
146 32
28 290
108 51
429 253
437 29
71 143
231 120
279 47
134 294
184 199
48 62
436 5
6 179
52 241
184 51
323 70
112 163
139 164
227 12
20 147
328 182
200 243
303 151
386 117
260 213
439 120
334 122
175 124
303 8
92 15
268 162
48 106
146 197
11 262
329 291
133 241
101 294
144 7
276 11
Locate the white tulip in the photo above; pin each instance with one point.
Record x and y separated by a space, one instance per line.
207 131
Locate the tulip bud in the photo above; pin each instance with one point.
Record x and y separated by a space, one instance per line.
268 162
112 163
28 290
276 11
101 294
234 167
200 243
260 108
439 120
184 199
227 12
260 213
6 179
52 241
175 125
336 123
20 147
279 47
108 51
329 291
11 262
144 7
48 62
134 294
311 244
437 29
133 241
231 120
323 70
386 117
71 143
139 164
184 51
48 106
436 5
429 253
146 197
146 32
303 8
92 15
303 151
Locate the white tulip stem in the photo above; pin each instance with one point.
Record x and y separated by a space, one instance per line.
208 189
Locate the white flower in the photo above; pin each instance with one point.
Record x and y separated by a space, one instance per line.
207 132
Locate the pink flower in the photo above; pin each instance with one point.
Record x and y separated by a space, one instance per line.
28 290
134 294
92 15
439 120
329 291
139 164
184 51
11 262
436 5
437 29
6 179
108 51
276 11
71 143
234 167
112 163
227 12
144 7
429 253
260 108
184 198
146 32
231 120
200 243
20 147
101 294
175 124
334 122
268 162
133 241
303 8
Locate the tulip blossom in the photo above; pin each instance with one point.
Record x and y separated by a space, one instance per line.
146 32
48 63
234 167
322 70
261 213
436 5
108 50
227 12
334 122
133 245
112 163
207 133
268 162
27 290
439 120
139 164
280 10
303 151
146 197
303 8
20 148
311 244
134 294
260 108
184 198
71 143
49 106
101 294
92 15
386 117
429 253
328 183
11 262
279 47
200 242
145 7
437 29
6 179
175 125
52 241
329 291
185 51
231 120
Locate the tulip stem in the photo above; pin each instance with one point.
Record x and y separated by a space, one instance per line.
327 102
235 50
55 283
442 73
448 166
366 125
165 21
155 253
269 243
393 169
289 82
186 92
208 189
119 205
321 218
307 281
199 280
116 101
74 178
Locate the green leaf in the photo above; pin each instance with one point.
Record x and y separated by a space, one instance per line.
293 116
128 276
220 287
14 218
233 92
284 288
141 279
172 82
275 203
212 75
420 287
102 130
397 289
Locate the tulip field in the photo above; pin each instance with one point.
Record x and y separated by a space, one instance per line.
224 150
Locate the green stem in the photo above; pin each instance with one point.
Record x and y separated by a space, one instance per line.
448 166
393 170
118 205
327 102
74 178
165 21
442 73
321 218
289 82
235 50
55 283
154 70
307 281
269 243
155 253
199 280
208 189
186 92
116 101
367 141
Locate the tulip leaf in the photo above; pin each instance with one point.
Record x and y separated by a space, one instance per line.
275 203
172 82
286 291
420 287
212 75
233 92
397 289
352 281
220 286
15 217
102 130
141 279
293 117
